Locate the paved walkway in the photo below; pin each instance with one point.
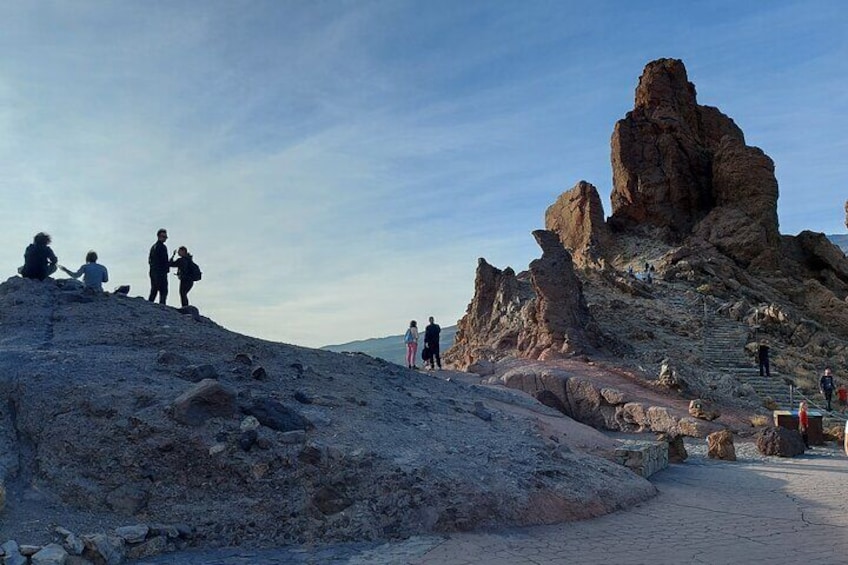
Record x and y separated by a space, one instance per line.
779 511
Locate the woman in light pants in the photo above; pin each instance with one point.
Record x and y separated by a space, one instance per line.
411 340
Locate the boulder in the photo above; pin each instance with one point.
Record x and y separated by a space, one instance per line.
720 446
103 549
779 441
703 410
51 554
577 217
668 376
207 399
276 416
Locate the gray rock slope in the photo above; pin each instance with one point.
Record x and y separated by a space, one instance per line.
134 412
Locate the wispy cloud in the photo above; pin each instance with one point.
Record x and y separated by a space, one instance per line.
337 168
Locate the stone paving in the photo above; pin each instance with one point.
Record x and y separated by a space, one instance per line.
776 511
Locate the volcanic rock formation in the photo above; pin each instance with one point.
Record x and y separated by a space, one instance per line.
539 315
677 164
577 217
693 201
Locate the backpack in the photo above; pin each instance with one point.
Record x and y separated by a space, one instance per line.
407 338
194 273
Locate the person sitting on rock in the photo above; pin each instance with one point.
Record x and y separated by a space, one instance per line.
39 260
93 273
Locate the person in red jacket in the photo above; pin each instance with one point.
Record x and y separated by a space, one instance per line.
842 397
804 423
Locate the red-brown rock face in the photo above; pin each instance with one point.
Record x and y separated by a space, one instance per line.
577 217
676 163
539 316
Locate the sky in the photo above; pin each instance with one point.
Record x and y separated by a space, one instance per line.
337 167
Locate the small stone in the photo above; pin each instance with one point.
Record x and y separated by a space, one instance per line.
197 373
217 448
302 397
132 534
100 548
245 358
52 554
73 544
297 436
207 399
259 470
247 439
249 423
13 554
154 546
62 531
259 373
29 550
481 412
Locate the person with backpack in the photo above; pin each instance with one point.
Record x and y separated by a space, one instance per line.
411 341
187 271
431 343
826 387
39 260
93 273
159 267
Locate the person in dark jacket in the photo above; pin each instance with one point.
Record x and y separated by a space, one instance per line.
431 342
763 358
39 260
184 273
159 267
826 387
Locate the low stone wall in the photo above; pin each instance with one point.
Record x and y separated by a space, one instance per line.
643 458
124 543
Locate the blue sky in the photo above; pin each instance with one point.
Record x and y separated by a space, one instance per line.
337 167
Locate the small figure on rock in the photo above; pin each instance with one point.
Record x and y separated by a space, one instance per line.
630 271
39 260
826 387
411 341
763 358
804 423
159 267
431 342
93 273
187 271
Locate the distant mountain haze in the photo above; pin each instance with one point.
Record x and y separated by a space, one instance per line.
392 348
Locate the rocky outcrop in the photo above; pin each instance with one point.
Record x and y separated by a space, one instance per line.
577 217
540 315
685 168
494 319
561 322
662 152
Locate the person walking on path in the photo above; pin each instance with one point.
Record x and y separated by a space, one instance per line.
763 357
93 273
185 272
826 387
411 341
804 423
39 260
431 342
159 267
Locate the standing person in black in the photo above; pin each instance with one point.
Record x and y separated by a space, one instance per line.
763 357
39 260
159 267
185 272
826 387
431 342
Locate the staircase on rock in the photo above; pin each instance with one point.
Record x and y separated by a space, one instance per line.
724 351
